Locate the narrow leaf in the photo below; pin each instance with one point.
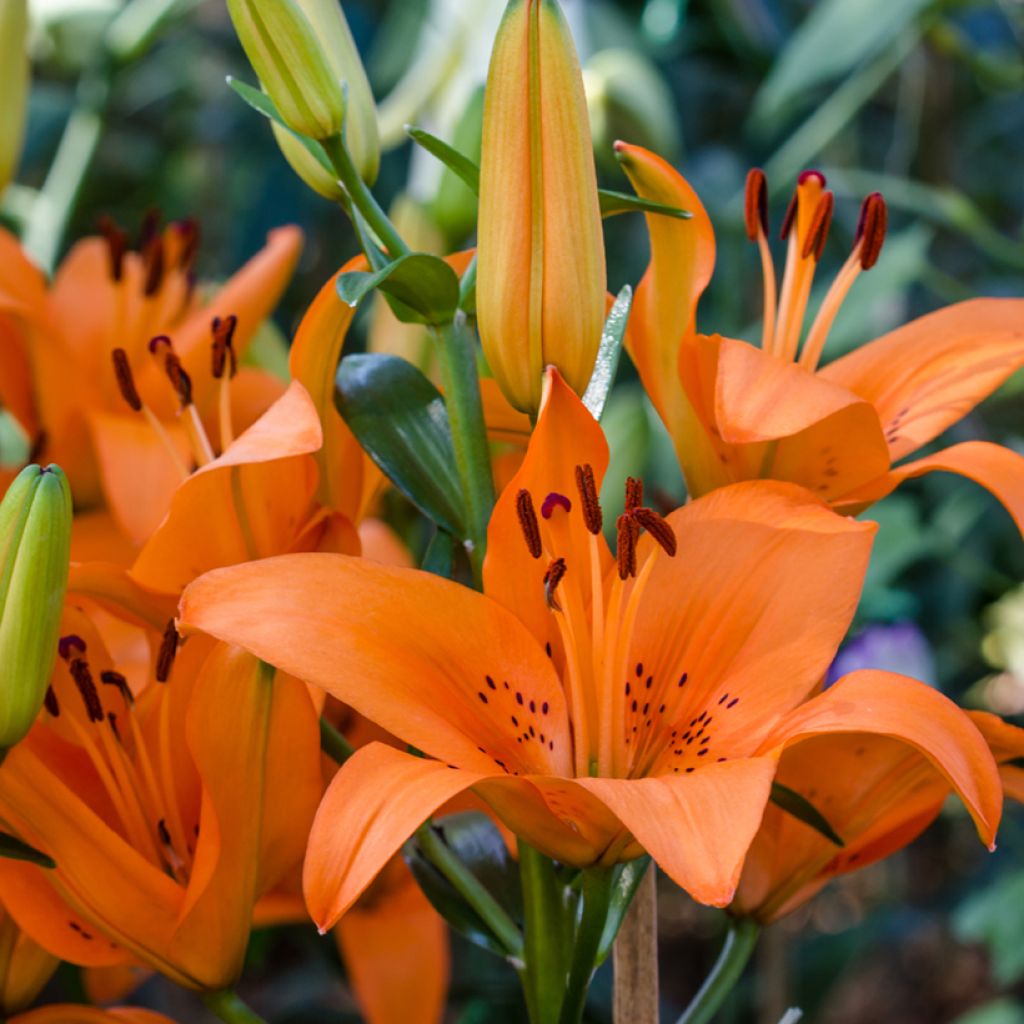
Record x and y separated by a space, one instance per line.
458 163
14 849
608 353
425 288
400 419
628 877
613 202
440 554
790 801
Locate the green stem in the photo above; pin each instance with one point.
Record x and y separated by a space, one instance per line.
456 360
597 892
53 207
230 1009
736 951
544 968
470 888
333 744
362 198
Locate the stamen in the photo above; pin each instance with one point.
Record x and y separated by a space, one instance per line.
585 484
552 577
50 702
223 351
528 522
871 228
149 227
117 242
165 656
180 380
188 230
634 493
111 678
755 207
628 533
125 380
552 501
814 243
153 263
68 645
658 528
805 176
79 669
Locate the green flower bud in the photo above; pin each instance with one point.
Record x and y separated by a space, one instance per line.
306 166
284 50
14 77
35 543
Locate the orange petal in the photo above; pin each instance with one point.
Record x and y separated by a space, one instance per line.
76 1014
567 436
696 827
411 651
112 588
378 798
928 374
314 358
105 985
1006 742
395 948
25 966
665 306
22 286
905 709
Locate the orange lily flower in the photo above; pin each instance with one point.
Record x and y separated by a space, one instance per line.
59 343
541 278
601 706
166 814
739 412
875 792
25 967
74 1014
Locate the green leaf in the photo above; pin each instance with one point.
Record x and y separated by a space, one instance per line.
400 419
424 287
14 849
440 554
803 810
468 171
992 916
613 202
476 841
456 162
608 353
628 877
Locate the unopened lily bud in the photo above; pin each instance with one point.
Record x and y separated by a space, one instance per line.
306 166
14 76
35 541
541 272
283 48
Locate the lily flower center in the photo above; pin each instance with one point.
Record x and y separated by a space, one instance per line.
805 229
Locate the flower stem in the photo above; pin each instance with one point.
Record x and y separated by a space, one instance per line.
470 888
544 969
333 744
456 359
736 951
635 999
597 892
362 198
230 1009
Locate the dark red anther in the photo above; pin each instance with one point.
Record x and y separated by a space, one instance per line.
552 577
117 242
527 516
50 702
790 218
159 342
70 644
79 669
189 234
223 350
552 501
165 656
871 229
814 243
112 678
587 487
180 380
125 380
755 206
628 533
150 227
658 528
634 493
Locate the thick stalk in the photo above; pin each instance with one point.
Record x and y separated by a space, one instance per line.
55 203
544 971
597 892
333 744
362 198
470 888
230 1009
456 360
736 951
636 957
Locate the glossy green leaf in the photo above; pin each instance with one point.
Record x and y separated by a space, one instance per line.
14 849
628 877
439 557
790 801
613 202
400 419
608 354
424 288
476 841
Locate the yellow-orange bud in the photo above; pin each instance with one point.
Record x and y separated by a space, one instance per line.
541 274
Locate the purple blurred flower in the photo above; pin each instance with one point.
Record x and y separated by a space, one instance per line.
900 647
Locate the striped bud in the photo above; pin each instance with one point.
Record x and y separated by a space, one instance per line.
35 541
14 78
